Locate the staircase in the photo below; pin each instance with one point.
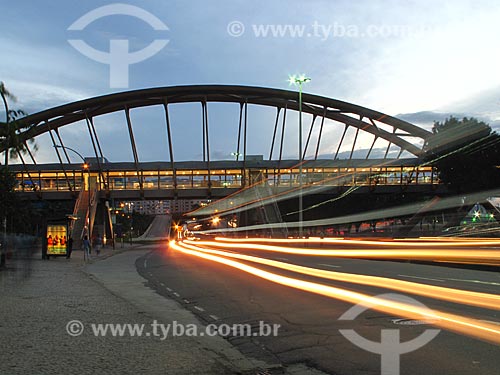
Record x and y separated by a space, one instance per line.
81 211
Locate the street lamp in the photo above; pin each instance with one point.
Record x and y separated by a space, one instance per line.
299 81
70 149
86 168
85 164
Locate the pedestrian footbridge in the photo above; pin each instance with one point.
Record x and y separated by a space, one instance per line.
343 145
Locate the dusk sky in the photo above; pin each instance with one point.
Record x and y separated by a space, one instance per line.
392 56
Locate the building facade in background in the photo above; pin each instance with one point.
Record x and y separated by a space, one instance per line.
162 207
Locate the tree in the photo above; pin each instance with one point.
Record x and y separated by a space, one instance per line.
466 153
7 195
12 127
7 204
11 143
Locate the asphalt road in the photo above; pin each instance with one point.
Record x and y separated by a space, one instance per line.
309 325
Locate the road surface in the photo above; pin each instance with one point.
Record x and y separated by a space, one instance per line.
309 323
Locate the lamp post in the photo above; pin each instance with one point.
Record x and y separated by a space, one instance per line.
299 81
86 168
70 149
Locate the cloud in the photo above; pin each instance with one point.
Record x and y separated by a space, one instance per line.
447 69
484 106
34 97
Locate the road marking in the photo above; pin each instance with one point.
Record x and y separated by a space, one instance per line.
199 308
162 284
169 289
285 259
177 294
412 322
422 278
474 281
186 301
214 317
328 265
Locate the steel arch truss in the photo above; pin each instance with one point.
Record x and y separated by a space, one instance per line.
381 126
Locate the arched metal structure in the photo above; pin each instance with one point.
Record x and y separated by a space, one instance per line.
171 179
351 115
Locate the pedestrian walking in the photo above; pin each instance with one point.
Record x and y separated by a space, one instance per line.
86 248
97 245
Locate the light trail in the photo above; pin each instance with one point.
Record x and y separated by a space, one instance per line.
467 326
396 253
405 210
450 238
485 300
396 242
243 202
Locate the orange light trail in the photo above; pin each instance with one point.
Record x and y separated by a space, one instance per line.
485 300
427 242
467 326
396 253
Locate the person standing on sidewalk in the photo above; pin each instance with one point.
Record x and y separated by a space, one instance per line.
86 247
97 244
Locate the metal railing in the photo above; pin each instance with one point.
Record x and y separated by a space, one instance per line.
274 177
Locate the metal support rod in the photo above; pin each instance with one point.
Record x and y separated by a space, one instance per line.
62 144
29 152
301 218
373 123
371 148
319 135
98 144
389 145
283 133
245 125
26 169
278 110
96 138
354 144
205 116
341 140
203 132
245 120
239 132
132 143
387 150
309 136
170 144
60 160
90 125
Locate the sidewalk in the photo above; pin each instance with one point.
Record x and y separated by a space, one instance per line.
38 298
77 255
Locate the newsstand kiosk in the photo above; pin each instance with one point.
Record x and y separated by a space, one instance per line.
56 238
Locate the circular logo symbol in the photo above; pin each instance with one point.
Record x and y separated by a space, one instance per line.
235 29
74 328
